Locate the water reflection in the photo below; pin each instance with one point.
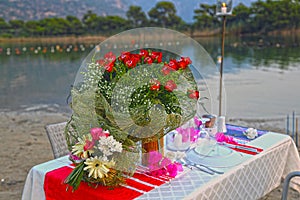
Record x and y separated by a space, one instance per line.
39 76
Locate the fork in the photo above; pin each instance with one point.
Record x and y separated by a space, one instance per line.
188 164
201 165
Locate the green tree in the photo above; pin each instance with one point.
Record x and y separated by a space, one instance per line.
164 14
55 26
75 26
240 20
111 24
136 16
205 17
89 21
33 28
263 16
16 27
4 27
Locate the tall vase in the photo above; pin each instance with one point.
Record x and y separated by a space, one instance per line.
155 145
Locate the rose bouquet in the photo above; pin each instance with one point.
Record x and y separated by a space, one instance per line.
122 101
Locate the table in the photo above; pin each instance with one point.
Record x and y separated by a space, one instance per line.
253 178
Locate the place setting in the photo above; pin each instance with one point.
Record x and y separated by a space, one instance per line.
199 145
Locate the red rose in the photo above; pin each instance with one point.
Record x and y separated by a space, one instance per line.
110 66
125 56
155 85
170 85
132 61
173 64
148 60
156 56
143 53
100 62
183 62
110 56
187 60
166 70
193 94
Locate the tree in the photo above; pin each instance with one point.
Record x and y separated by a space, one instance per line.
4 27
136 16
164 14
33 28
205 17
240 20
75 26
16 27
89 22
55 26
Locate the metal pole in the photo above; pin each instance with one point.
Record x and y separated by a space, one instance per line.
297 132
293 126
221 66
288 124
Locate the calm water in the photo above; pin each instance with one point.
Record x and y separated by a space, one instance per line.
261 75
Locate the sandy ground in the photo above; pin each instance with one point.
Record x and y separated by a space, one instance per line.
24 143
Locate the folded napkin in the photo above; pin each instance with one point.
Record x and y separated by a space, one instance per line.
238 132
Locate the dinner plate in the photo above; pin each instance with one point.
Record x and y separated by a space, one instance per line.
216 156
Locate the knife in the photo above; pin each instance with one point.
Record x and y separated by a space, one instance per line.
244 148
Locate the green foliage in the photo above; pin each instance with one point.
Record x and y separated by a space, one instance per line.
205 17
265 16
164 15
136 16
260 18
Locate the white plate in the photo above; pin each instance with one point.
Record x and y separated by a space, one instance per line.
217 156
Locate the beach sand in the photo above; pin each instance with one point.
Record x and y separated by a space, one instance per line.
24 143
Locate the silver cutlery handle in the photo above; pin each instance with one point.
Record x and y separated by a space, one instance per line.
213 170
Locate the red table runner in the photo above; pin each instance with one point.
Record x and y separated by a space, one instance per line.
55 188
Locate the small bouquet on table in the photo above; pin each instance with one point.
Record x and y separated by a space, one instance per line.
123 104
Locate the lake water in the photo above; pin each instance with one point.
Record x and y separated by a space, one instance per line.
261 75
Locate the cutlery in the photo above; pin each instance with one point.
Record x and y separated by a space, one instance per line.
189 164
201 165
243 148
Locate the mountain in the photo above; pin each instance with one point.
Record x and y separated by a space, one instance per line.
39 9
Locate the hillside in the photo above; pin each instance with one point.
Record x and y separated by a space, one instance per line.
39 9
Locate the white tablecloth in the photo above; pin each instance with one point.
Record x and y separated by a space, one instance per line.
253 178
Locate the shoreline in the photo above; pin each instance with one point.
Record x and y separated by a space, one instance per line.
99 38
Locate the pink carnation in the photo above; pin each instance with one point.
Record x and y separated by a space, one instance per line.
97 133
172 170
221 137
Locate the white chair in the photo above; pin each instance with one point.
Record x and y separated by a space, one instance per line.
57 139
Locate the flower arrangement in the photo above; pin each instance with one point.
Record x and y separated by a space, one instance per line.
135 97
94 157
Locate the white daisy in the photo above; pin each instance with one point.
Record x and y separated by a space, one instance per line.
97 167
